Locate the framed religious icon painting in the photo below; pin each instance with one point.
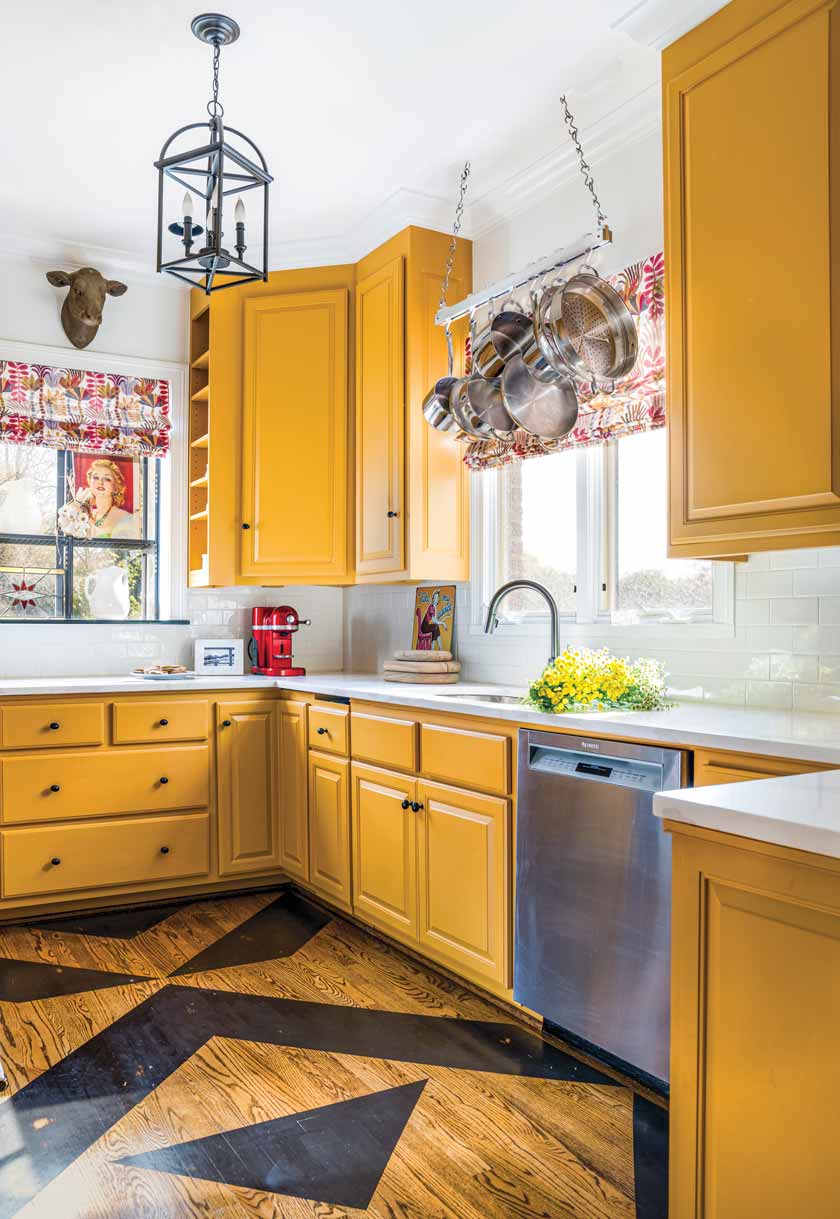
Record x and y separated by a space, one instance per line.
434 618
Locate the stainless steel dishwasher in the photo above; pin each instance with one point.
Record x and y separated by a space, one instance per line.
593 894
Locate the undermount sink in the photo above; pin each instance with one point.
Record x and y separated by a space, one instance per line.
486 698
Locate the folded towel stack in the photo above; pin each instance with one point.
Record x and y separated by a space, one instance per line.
422 668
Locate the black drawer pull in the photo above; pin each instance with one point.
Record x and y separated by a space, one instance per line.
55 725
322 731
416 806
246 526
163 779
164 850
163 723
54 787
55 861
393 514
406 804
226 723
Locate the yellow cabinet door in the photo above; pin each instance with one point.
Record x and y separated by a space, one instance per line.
249 830
464 879
329 827
755 1007
380 420
385 849
295 478
752 211
292 799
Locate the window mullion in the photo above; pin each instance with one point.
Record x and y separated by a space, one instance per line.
589 535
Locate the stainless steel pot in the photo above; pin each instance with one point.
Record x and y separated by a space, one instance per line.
511 331
436 405
486 360
538 399
584 328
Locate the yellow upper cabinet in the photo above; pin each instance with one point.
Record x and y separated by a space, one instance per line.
380 419
295 478
752 192
404 467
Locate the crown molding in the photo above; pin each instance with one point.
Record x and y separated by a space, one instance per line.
625 123
657 23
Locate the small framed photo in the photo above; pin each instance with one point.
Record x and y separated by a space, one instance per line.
220 657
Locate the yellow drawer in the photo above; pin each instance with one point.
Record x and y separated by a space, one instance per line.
383 740
139 720
328 729
103 784
64 858
465 758
712 767
44 725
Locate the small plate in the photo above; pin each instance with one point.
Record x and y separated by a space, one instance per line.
163 676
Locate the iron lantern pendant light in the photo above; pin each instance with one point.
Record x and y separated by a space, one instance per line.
227 164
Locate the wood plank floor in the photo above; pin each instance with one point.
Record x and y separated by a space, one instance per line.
253 1056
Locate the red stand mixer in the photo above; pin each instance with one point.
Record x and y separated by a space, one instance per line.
274 627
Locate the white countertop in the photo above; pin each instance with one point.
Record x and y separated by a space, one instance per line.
810 736
799 811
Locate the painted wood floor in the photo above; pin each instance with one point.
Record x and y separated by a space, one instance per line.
255 1057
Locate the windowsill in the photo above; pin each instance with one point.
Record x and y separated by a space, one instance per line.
582 632
94 621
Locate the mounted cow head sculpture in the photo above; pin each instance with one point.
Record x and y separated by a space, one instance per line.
81 313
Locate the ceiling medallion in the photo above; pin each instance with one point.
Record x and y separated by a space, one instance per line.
228 163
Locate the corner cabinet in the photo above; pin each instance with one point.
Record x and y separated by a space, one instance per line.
412 487
752 215
292 797
295 438
249 839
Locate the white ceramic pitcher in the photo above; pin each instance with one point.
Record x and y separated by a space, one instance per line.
107 592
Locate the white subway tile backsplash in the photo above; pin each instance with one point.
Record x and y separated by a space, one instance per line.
829 669
830 556
829 611
769 583
754 613
819 639
794 611
784 560
775 694
785 667
769 638
817 582
824 697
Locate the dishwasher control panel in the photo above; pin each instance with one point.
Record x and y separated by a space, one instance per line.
626 772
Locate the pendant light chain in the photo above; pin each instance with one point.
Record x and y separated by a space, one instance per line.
585 169
456 228
215 108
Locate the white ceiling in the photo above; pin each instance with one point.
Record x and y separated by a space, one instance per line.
365 111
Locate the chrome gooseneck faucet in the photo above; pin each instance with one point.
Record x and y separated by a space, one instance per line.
492 621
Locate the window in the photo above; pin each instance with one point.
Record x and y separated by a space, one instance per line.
591 525
110 568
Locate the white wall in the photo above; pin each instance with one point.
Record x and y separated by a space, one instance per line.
149 322
784 650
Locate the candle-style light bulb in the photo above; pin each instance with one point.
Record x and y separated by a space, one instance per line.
239 217
187 206
239 212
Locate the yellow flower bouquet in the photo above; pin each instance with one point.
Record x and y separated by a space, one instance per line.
581 679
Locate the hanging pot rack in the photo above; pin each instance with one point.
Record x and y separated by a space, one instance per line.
583 247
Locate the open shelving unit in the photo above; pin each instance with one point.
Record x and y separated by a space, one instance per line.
199 442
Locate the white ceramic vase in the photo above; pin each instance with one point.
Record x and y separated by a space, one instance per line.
107 592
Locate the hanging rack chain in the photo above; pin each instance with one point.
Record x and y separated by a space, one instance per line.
214 107
456 228
585 169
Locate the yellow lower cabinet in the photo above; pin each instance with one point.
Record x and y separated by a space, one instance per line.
51 859
291 789
464 884
755 1009
249 830
329 827
385 818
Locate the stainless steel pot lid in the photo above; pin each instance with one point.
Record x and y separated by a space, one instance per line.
596 322
544 405
436 408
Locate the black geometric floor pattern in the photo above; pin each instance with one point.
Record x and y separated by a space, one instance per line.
276 931
112 924
335 1154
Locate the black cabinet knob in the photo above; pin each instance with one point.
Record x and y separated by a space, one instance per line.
55 861
246 526
55 725
163 723
323 731
164 850
54 787
393 514
416 807
226 723
163 779
406 804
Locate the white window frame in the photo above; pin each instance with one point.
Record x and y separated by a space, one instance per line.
597 534
172 544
